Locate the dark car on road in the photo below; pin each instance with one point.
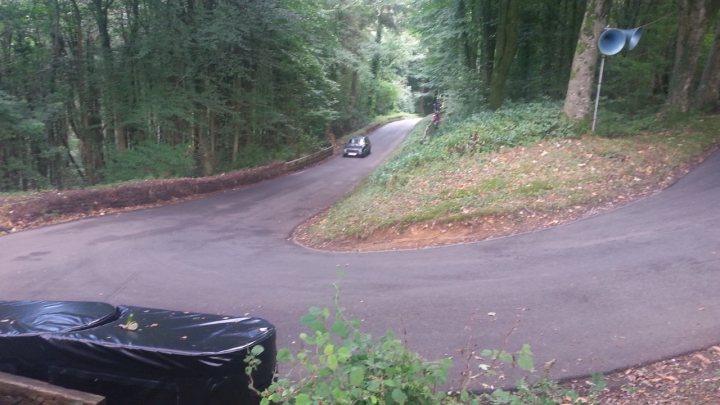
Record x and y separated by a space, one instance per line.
357 146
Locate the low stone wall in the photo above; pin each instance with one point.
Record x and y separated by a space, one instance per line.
310 159
44 206
136 193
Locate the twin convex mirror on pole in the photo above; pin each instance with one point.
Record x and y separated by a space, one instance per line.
611 42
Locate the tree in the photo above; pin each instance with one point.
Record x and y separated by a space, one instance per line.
506 47
708 91
579 91
483 51
693 20
20 135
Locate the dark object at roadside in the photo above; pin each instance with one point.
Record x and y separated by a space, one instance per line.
357 146
134 355
436 119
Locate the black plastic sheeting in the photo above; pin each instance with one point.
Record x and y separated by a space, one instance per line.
30 318
23 324
161 357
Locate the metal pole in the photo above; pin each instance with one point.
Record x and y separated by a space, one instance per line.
597 96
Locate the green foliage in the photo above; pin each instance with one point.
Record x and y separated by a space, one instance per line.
615 125
21 139
343 365
150 160
241 82
482 132
386 98
464 42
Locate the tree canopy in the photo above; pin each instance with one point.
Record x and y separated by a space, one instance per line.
103 90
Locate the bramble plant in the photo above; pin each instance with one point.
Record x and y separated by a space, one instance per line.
342 365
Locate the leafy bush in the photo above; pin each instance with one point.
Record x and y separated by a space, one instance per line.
149 160
346 366
617 125
342 365
487 131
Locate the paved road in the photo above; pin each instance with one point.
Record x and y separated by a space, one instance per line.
626 287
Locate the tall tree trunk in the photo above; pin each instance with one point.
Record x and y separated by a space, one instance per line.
692 25
236 143
578 98
375 64
210 145
469 39
56 126
574 20
708 92
87 123
109 111
487 40
505 50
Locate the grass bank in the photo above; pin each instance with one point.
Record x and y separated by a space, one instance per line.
501 173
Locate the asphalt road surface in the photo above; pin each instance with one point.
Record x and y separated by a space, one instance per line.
626 287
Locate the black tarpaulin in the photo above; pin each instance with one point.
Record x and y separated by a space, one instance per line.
180 342
30 318
23 323
134 355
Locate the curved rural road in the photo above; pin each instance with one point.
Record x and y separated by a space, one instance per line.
626 287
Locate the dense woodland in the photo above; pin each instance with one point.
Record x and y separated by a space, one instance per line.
97 91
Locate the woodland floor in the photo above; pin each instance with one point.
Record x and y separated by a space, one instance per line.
690 379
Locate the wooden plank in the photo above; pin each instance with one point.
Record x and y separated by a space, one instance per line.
26 391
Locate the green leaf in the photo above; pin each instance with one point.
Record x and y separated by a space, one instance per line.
525 358
332 362
398 396
340 329
503 397
357 376
257 350
307 339
344 354
284 355
314 322
505 357
329 349
340 395
373 386
302 399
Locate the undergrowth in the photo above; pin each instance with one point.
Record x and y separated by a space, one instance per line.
340 364
486 131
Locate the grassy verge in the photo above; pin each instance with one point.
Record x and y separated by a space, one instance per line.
519 166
